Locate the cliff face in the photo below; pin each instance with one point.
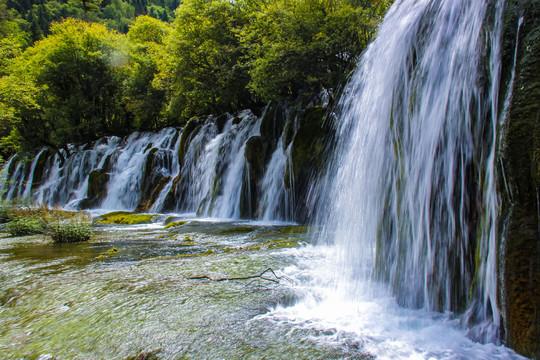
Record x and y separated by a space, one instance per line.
520 178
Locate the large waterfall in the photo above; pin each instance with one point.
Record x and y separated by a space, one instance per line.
414 189
409 211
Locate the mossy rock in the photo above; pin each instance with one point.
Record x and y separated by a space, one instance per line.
273 121
191 129
40 167
124 218
257 154
174 224
295 229
147 172
170 202
520 164
238 230
147 202
308 157
96 190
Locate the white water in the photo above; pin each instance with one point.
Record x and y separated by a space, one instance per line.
212 180
411 210
126 175
276 199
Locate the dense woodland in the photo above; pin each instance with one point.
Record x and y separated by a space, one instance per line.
72 71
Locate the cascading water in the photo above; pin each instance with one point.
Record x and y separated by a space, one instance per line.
214 166
409 221
124 187
205 170
416 172
276 200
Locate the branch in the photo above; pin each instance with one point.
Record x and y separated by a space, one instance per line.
259 276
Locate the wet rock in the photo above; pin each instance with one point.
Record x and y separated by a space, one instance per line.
149 200
520 181
97 189
307 156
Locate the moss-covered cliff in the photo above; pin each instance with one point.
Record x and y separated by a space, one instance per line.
520 179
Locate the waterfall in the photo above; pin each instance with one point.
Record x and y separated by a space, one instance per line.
203 168
275 199
412 201
128 167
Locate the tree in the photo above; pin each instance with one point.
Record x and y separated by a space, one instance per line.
143 100
12 42
202 69
66 88
299 47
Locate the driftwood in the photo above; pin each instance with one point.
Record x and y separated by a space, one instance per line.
251 277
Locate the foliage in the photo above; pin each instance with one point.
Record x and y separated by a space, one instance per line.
21 225
84 80
202 64
38 16
143 100
66 88
61 225
73 230
300 47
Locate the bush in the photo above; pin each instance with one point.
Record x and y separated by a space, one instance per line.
69 231
25 226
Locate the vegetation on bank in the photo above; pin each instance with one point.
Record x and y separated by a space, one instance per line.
62 226
92 68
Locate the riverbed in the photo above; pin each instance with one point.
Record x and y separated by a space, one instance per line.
206 289
130 291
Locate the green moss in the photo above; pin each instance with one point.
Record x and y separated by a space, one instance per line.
295 229
125 218
239 229
112 251
174 224
283 243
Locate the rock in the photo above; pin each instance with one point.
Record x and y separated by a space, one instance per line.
97 189
308 157
191 129
520 180
149 200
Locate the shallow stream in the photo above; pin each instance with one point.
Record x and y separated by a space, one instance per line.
127 294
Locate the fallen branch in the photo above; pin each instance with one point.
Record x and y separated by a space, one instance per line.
259 276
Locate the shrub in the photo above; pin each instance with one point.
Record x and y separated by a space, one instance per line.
4 216
69 231
25 226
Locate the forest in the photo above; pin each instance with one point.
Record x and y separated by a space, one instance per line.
72 71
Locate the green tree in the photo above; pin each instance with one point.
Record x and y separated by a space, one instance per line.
143 100
67 87
299 47
202 69
12 42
